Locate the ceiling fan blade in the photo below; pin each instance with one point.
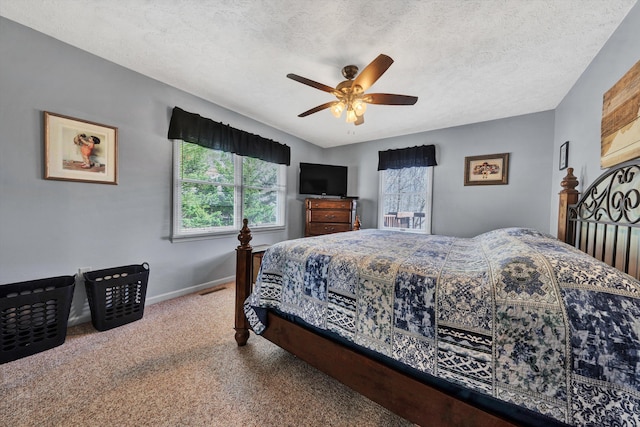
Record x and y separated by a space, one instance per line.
372 72
389 99
359 121
311 83
318 108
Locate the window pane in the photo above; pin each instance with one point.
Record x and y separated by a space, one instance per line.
203 164
258 173
261 206
214 190
411 202
206 205
404 198
412 180
392 180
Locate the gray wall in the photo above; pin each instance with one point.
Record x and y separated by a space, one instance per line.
50 228
579 115
468 211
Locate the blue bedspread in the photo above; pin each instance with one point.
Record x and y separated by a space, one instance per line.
512 313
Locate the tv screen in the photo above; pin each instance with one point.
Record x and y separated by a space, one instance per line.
323 179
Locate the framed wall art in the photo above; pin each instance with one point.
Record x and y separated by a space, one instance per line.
564 155
79 150
490 169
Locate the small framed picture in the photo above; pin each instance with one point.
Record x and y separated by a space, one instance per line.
79 150
564 155
490 169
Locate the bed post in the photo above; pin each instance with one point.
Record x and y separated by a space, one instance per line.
568 196
243 282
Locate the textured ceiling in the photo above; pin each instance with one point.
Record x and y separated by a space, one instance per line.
467 60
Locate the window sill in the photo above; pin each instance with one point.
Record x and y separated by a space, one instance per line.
405 230
222 234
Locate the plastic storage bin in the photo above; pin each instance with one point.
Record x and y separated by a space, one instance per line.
116 295
34 316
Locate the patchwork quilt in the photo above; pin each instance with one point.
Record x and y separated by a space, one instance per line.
512 313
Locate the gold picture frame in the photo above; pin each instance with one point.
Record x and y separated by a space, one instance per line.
492 169
79 150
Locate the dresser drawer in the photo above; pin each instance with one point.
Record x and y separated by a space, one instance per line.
328 204
317 228
320 215
326 216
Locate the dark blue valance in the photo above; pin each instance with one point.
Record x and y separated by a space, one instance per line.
422 156
199 130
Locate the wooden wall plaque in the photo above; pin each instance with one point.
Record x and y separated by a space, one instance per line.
620 131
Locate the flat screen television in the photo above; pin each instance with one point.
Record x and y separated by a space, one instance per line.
324 180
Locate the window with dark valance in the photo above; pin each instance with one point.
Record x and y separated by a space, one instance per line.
422 156
199 130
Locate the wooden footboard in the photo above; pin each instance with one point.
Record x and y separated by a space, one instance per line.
243 282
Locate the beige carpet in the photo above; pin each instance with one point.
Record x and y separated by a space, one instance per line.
178 366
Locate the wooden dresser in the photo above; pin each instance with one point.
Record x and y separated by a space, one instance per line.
326 216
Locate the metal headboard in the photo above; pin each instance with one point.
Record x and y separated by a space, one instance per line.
606 219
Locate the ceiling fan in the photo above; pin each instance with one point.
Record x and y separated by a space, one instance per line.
350 93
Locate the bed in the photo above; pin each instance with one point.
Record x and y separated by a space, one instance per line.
511 327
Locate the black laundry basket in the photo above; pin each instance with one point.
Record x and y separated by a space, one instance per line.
116 295
34 316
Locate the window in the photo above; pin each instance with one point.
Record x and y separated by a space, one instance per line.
214 190
405 199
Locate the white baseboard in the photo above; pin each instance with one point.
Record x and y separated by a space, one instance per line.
85 316
189 290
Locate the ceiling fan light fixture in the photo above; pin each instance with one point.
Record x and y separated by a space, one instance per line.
351 94
351 116
337 109
359 106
